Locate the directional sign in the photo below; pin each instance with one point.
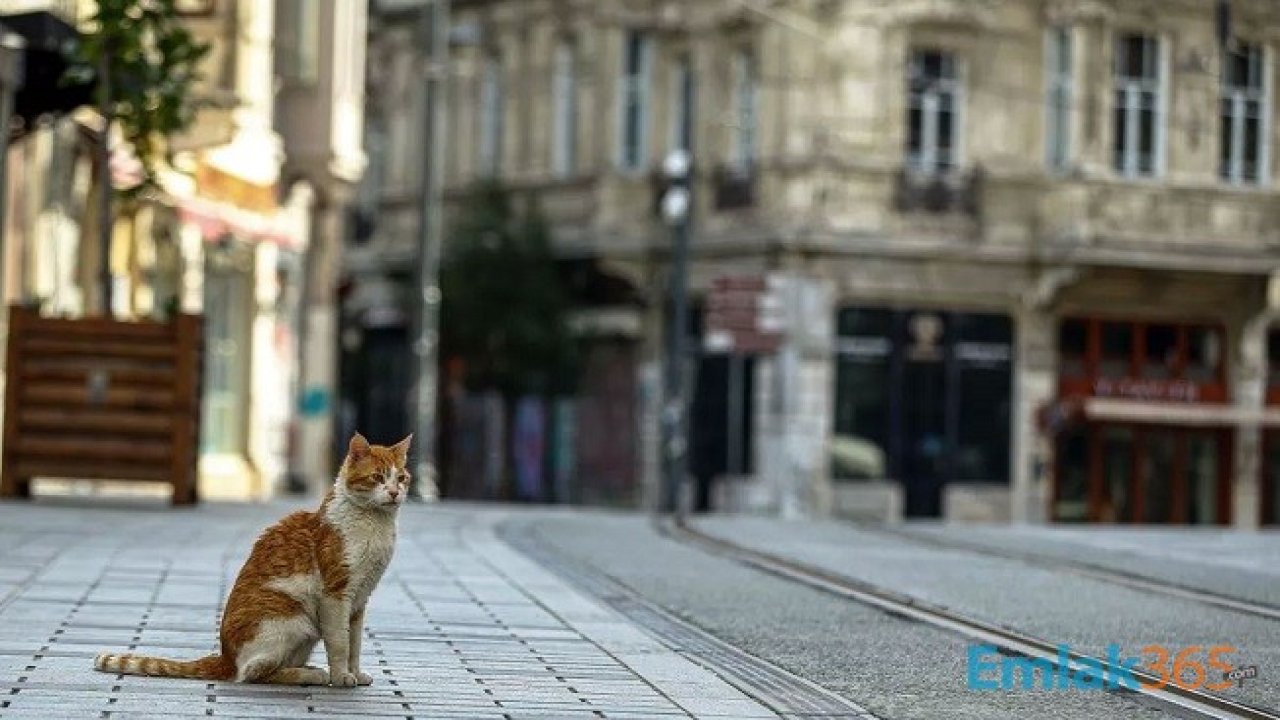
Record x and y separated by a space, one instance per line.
743 315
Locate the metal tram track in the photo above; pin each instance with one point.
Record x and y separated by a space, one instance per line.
1196 702
1113 576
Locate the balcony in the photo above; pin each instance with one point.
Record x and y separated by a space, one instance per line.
959 193
733 188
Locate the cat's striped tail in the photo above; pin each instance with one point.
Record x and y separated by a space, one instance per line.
212 667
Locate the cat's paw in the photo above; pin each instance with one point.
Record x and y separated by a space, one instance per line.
344 680
363 678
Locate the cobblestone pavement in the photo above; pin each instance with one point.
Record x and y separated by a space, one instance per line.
462 626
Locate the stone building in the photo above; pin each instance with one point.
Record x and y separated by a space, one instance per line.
1034 240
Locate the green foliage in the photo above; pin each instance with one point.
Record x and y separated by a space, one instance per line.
504 308
152 61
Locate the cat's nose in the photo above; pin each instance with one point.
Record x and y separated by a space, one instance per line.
394 493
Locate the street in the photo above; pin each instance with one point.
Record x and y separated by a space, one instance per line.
495 611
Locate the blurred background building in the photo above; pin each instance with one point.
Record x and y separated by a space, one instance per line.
1027 245
1005 259
228 232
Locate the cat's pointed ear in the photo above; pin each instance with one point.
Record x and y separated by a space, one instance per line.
401 449
359 447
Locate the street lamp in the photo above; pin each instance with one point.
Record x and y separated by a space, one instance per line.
436 33
676 204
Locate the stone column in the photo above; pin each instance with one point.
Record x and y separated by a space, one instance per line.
1248 392
794 427
314 449
1035 375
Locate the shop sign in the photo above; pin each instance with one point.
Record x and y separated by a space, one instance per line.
983 354
864 347
1137 389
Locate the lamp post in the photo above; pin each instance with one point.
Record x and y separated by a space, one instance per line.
435 26
676 204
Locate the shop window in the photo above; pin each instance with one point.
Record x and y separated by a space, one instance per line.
984 354
859 448
1117 350
1204 354
1158 470
1073 347
1203 453
1161 352
1071 497
1117 474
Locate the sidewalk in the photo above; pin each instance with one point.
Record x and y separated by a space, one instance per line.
461 626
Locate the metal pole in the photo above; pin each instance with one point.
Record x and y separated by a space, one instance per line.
676 407
104 189
430 241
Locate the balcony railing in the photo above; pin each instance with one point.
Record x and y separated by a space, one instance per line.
734 188
938 194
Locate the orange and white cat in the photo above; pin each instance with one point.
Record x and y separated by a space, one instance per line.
307 580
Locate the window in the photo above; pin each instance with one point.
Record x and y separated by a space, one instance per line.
983 358
635 101
932 112
1204 354
1242 155
1161 346
742 150
491 108
1058 58
299 26
564 98
1117 350
860 447
682 105
1138 131
1073 347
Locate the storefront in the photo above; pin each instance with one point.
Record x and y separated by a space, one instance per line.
922 397
1143 423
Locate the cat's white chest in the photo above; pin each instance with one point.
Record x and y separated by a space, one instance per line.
368 553
368 543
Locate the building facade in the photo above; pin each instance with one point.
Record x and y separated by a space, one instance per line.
222 236
1034 239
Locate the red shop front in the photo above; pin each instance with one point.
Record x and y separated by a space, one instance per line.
1143 424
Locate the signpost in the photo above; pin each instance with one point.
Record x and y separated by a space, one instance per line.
744 316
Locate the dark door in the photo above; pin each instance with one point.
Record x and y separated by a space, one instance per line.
720 435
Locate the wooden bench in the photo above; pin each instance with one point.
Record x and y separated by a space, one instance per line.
98 399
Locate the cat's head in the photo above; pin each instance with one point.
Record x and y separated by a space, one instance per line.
376 475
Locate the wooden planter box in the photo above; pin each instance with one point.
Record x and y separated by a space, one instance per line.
98 399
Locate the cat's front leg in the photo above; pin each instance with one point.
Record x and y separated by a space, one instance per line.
335 630
357 638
